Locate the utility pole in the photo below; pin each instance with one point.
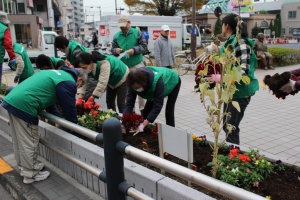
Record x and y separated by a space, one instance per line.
193 33
116 7
120 9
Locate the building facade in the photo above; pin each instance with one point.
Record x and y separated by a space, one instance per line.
290 17
78 15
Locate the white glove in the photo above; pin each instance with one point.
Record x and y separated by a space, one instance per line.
139 129
125 55
289 87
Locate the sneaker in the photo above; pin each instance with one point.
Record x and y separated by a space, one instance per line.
41 167
38 177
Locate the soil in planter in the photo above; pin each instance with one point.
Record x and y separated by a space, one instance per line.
280 185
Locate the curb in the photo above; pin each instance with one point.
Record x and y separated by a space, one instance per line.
12 182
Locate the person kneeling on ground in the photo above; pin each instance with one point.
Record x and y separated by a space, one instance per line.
24 102
23 66
153 84
111 74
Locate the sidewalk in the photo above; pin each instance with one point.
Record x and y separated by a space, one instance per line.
58 186
269 125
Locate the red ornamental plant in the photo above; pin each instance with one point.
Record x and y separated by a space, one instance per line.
276 81
199 73
131 122
92 108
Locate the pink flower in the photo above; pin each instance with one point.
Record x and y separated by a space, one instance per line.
256 184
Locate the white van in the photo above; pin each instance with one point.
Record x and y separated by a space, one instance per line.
46 46
179 33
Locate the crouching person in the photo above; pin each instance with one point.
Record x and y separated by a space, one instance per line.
44 62
23 103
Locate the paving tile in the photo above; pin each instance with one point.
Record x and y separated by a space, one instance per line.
65 197
51 194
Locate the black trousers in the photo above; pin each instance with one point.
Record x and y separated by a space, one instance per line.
170 106
120 93
235 119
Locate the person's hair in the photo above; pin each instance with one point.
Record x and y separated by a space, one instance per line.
59 64
231 20
43 60
61 42
137 76
82 73
87 58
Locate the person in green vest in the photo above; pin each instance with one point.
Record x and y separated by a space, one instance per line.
5 42
24 102
44 62
23 65
132 42
71 48
153 84
111 74
248 62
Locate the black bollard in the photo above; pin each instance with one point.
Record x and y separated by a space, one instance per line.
114 163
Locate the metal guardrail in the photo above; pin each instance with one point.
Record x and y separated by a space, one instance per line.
114 163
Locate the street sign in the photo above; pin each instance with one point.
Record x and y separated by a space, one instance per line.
58 23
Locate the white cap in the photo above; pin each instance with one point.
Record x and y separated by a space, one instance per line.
165 28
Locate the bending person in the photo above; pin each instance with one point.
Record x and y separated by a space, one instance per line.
110 72
44 62
153 84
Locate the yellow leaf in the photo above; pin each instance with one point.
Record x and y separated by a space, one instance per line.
236 105
246 79
215 126
203 87
225 97
211 95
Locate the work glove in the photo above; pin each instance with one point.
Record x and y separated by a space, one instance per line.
13 61
216 78
89 103
79 102
96 106
139 129
16 79
288 87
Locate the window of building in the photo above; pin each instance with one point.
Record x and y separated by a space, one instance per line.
82 29
292 14
90 29
39 8
23 33
283 31
290 30
296 31
264 24
21 8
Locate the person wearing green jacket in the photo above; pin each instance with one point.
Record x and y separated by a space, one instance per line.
153 84
248 63
23 65
111 74
44 62
40 91
132 42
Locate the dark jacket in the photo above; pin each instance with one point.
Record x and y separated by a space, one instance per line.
158 96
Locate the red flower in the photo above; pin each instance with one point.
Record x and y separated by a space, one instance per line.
94 112
244 158
234 152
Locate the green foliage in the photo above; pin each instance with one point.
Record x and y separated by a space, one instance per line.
255 30
94 122
272 27
285 56
244 170
159 7
218 27
199 141
3 89
263 12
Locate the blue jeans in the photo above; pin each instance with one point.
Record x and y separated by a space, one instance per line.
1 74
235 119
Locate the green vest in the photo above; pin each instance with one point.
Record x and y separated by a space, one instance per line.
28 68
55 61
128 42
244 90
31 98
169 77
117 70
72 46
3 28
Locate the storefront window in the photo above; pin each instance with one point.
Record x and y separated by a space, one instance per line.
23 33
